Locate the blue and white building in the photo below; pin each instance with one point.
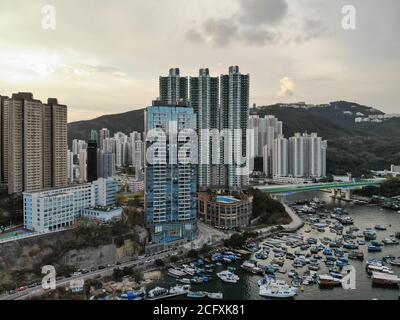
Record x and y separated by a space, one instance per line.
170 186
58 208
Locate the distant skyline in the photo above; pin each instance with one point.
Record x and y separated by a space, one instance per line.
105 57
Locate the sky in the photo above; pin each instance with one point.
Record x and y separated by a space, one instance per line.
102 57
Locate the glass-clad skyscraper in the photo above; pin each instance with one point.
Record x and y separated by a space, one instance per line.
171 185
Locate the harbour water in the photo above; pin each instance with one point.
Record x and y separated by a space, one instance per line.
364 216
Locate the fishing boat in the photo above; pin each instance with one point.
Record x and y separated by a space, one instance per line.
197 294
228 276
215 295
383 279
326 280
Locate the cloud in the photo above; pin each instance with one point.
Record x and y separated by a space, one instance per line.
311 29
258 12
194 36
258 37
287 88
247 25
221 31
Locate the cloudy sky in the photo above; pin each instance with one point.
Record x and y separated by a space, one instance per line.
106 56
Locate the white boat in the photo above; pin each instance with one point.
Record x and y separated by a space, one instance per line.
216 295
179 290
228 276
185 281
276 290
157 292
188 270
328 281
380 269
176 273
384 279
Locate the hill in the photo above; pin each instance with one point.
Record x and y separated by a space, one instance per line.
124 122
352 147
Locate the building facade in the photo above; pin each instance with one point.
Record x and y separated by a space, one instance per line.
204 99
170 186
233 115
174 88
33 143
225 212
58 208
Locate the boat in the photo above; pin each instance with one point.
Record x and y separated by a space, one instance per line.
251 267
196 280
197 294
185 281
278 261
261 255
380 227
228 276
395 262
175 273
216 295
188 270
356 255
372 248
157 292
390 241
383 279
379 268
179 290
350 245
277 290
326 280
369 234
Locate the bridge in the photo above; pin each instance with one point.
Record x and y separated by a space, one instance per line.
335 186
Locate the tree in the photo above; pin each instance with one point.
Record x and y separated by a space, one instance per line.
193 254
159 263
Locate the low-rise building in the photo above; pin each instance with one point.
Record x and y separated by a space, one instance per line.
58 208
101 213
226 212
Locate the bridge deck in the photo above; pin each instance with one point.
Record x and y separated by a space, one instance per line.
318 186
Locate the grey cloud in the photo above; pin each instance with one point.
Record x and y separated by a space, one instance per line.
311 29
194 36
221 31
258 37
258 12
247 25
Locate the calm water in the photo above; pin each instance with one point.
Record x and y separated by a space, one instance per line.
363 216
